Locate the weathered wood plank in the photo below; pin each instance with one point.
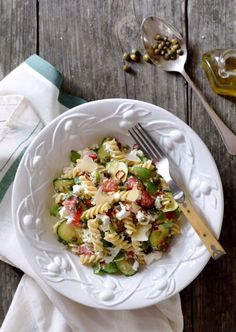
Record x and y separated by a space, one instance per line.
85 40
18 33
9 279
212 25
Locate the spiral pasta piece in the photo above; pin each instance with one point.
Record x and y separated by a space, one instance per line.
93 211
59 197
90 188
130 227
122 196
101 169
71 172
95 234
87 259
175 229
138 250
114 150
118 241
146 164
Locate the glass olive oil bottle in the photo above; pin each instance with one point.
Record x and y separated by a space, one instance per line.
220 68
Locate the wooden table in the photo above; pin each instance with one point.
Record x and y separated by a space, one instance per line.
85 40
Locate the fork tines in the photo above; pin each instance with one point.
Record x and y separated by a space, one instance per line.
146 142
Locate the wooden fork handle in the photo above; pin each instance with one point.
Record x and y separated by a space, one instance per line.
203 231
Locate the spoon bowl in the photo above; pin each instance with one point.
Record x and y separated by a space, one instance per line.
153 25
150 27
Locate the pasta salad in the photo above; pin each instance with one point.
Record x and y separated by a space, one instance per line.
113 209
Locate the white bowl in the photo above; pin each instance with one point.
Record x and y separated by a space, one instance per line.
192 166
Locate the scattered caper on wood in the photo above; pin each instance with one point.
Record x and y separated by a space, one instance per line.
146 58
127 68
134 57
135 51
126 56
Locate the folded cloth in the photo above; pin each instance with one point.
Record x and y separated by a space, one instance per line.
30 98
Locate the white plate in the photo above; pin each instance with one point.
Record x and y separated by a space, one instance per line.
192 165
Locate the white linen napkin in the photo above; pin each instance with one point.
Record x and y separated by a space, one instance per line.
29 99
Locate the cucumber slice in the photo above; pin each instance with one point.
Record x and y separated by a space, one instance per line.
74 155
110 268
172 205
67 233
62 185
103 154
54 210
157 237
151 187
125 266
142 173
118 170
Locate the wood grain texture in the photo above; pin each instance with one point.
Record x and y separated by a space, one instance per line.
18 33
212 25
18 40
85 40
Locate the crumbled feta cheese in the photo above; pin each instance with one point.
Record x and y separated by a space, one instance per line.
140 216
158 202
135 266
86 236
78 189
143 218
132 155
122 214
63 212
107 147
105 221
153 256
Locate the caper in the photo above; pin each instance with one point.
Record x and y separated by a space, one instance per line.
175 47
157 37
133 57
164 47
127 68
180 52
157 51
166 56
126 56
167 43
174 41
146 57
165 38
155 46
173 57
162 52
135 51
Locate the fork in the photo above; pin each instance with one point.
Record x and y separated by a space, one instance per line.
153 150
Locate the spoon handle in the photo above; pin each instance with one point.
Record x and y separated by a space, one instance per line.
227 135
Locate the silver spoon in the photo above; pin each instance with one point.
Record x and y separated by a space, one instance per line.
154 25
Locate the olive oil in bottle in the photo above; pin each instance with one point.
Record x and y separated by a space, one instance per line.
220 68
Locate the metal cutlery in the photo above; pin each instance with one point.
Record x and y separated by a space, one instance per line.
158 156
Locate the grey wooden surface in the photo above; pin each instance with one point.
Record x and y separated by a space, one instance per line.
85 39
